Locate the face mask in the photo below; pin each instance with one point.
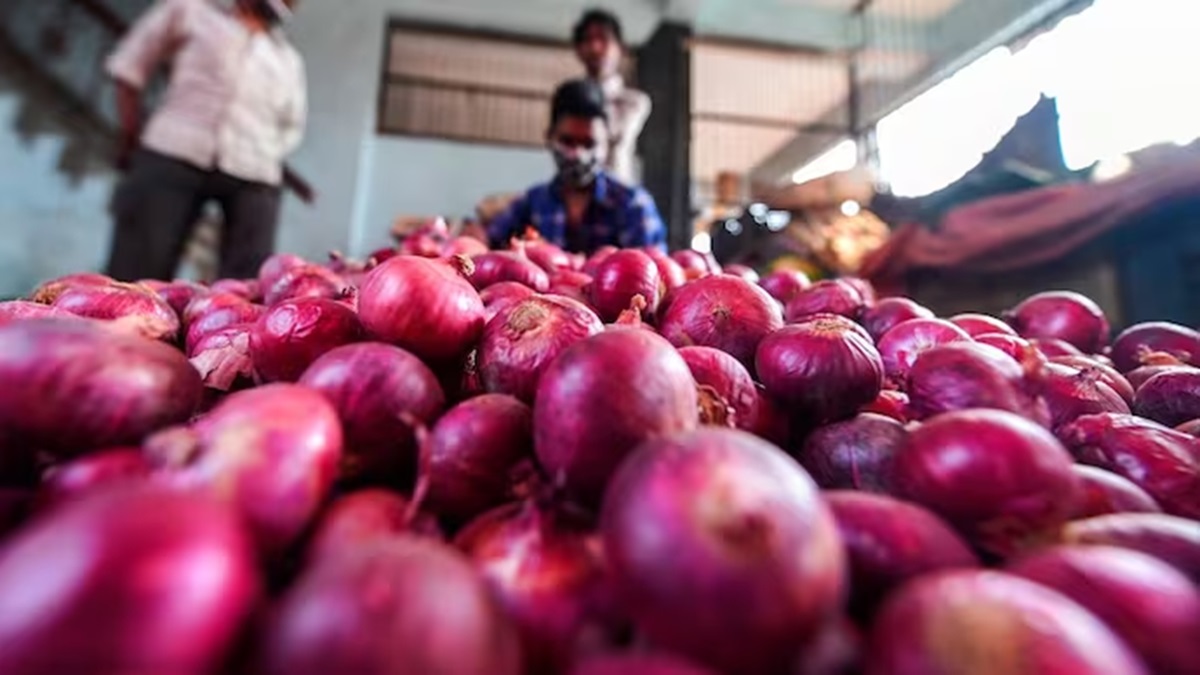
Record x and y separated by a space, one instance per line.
577 167
274 11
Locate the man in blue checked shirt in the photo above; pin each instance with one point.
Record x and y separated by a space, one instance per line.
583 208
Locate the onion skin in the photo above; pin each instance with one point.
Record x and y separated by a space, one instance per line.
569 284
1171 397
275 267
587 417
982 324
891 312
1105 492
73 387
48 292
832 296
1160 336
901 346
638 664
785 285
218 319
136 579
965 376
223 359
1004 482
526 337
81 477
292 334
622 276
888 542
177 294
1051 348
1106 373
203 304
361 518
498 296
727 387
466 246
742 272
1070 394
1062 315
598 256
548 256
670 274
127 304
824 369
393 607
546 569
271 452
722 550
722 312
694 264
889 403
1017 347
423 306
1152 606
1191 428
306 281
967 622
855 454
248 288
1171 539
475 456
376 390
496 266
1163 462
22 310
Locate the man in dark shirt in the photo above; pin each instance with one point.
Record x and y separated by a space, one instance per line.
582 208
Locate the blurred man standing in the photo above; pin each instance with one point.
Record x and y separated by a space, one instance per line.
233 109
600 45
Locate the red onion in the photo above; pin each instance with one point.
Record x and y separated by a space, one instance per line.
855 454
1104 372
23 310
80 477
694 264
1105 492
1171 397
901 346
889 542
973 621
131 580
383 255
204 304
836 650
964 376
271 452
422 244
1191 428
476 455
248 289
638 664
1070 394
722 312
619 278
742 272
773 423
1178 341
220 318
294 333
361 518
377 390
401 606
1163 462
889 403
598 256
832 296
1003 481
824 369
670 274
223 359
785 285
496 266
1153 607
526 337
424 306
1173 540
71 387
546 570
865 288
891 312
1156 363
176 293
548 256
141 310
308 281
274 268
498 296
569 284
1017 347
588 417
464 246
982 324
728 395
1062 315
47 293
1052 348
709 535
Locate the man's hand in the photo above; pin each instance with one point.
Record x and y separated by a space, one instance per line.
298 186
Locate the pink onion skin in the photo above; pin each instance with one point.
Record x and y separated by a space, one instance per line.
1106 374
823 370
855 454
307 281
619 278
1017 347
1004 482
465 246
670 274
475 456
1171 539
130 580
496 266
423 306
1191 428
361 518
47 293
246 288
1181 342
376 389
742 272
23 310
587 417
73 387
1152 606
727 385
383 255
785 285
142 310
891 312
638 664
962 622
1105 492
1051 348
218 319
401 606
422 245
546 569
901 346
865 288
836 650
722 550
274 268
293 334
81 477
525 337
982 324
1062 315
773 423
965 376
832 296
694 264
547 256
889 403
598 256
203 304
570 284
223 359
1163 462
722 312
1070 394
1170 398
889 542
1138 377
176 293
271 452
498 296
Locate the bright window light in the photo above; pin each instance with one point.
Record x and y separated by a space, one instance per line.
841 157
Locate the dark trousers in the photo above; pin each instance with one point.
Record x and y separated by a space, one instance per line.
160 200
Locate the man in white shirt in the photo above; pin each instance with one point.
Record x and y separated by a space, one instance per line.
234 108
600 46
